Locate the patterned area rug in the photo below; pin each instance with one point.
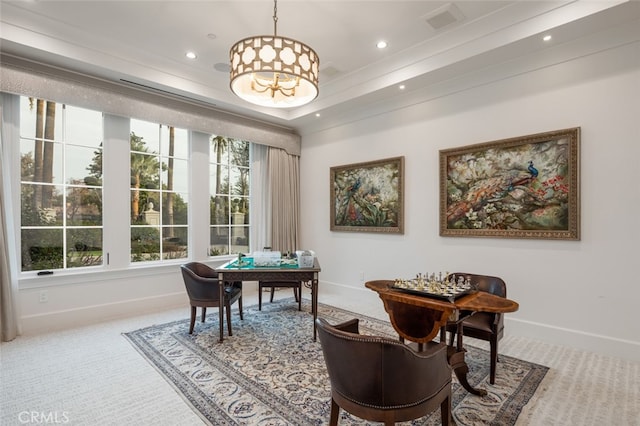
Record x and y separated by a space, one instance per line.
271 372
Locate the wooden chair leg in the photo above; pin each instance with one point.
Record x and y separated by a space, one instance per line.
192 323
204 313
494 359
272 291
240 307
259 297
445 412
228 309
298 292
388 418
335 412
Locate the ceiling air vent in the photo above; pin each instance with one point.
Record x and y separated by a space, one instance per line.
329 71
444 17
167 93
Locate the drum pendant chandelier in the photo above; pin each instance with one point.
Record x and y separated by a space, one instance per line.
274 71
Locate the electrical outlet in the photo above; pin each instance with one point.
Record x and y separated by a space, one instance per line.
44 296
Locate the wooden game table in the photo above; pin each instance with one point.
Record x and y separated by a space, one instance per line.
419 318
231 272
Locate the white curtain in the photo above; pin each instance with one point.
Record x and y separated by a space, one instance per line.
8 277
260 202
275 199
284 187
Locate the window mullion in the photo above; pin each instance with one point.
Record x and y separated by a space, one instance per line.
199 210
117 182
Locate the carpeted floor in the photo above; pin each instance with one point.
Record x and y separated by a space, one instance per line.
271 371
91 375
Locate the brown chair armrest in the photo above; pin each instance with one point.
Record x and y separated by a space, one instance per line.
350 326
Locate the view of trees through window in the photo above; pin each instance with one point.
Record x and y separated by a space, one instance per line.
62 189
61 185
159 192
229 199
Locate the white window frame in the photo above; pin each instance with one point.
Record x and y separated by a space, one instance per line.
116 221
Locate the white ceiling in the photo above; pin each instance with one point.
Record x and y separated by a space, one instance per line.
145 42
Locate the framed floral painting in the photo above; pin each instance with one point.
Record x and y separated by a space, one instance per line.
524 187
368 197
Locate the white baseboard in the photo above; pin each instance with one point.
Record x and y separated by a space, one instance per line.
595 343
59 320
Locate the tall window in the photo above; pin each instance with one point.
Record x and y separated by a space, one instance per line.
71 190
60 185
159 192
229 200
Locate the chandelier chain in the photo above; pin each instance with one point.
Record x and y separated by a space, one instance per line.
275 17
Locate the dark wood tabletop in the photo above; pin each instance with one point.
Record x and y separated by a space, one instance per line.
479 301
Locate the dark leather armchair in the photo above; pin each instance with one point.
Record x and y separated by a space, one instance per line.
202 287
381 379
484 325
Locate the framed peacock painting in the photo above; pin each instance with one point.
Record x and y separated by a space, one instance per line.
523 187
368 197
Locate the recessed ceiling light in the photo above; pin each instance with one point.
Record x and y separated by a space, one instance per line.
191 55
401 87
546 38
381 44
317 114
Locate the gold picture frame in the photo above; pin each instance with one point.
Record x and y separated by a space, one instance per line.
368 197
523 187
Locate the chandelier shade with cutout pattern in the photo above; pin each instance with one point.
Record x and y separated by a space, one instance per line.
274 71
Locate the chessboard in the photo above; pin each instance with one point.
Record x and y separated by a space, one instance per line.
443 290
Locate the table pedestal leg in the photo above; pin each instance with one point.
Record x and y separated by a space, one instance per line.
459 365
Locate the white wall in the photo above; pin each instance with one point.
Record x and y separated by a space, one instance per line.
56 302
580 293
